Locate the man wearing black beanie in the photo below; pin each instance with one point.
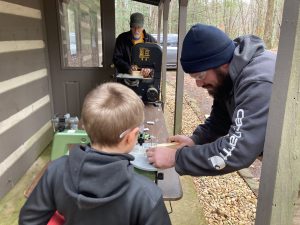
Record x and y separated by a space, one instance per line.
239 75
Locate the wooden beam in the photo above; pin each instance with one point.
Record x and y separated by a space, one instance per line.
23 79
160 10
279 185
180 74
166 7
23 114
19 10
22 45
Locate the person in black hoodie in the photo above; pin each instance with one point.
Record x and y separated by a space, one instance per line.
96 184
239 75
125 42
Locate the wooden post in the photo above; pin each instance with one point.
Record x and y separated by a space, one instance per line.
160 9
166 6
280 180
179 73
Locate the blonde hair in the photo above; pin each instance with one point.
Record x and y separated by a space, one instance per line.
109 110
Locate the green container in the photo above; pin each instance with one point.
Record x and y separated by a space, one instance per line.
150 174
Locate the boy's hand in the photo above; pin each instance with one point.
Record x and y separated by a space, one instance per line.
161 157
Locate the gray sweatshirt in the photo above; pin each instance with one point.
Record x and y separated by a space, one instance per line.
233 136
94 187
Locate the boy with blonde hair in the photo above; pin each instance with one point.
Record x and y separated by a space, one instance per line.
96 184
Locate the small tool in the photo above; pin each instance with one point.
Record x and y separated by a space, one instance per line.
170 144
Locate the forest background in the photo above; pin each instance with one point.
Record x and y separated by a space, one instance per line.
235 17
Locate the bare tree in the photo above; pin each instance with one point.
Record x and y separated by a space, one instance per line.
269 24
259 18
235 17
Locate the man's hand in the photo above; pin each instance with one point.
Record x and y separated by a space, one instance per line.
133 68
182 140
161 157
145 72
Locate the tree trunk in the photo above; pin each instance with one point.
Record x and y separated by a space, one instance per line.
269 24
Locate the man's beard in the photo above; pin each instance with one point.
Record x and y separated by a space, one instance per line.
223 87
136 36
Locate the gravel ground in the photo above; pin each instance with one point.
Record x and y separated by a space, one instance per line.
225 199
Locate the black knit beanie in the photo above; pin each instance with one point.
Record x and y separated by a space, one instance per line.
205 47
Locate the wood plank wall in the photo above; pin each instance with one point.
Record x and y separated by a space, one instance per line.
25 99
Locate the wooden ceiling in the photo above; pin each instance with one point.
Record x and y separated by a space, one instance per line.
151 2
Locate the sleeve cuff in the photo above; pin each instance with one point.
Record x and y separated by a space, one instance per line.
195 139
177 167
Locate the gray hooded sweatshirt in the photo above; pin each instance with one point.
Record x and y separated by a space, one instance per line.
91 187
233 135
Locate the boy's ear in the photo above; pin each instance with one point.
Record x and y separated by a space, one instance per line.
130 138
